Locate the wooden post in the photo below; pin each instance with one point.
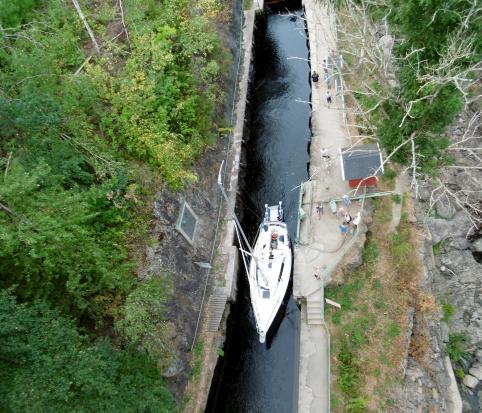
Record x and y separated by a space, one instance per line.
333 303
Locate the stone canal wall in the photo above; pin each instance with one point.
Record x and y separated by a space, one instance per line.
222 279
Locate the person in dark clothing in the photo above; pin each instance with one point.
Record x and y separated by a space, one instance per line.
315 77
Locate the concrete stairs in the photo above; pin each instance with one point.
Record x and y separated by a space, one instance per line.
216 306
314 307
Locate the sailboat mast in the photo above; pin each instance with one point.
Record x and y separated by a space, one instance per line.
231 207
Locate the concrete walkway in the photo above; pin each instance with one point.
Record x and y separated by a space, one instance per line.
321 243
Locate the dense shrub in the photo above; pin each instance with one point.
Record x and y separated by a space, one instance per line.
47 366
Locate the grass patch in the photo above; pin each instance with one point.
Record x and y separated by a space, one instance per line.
388 177
248 4
396 198
459 373
356 404
401 249
448 311
393 331
456 346
367 337
437 248
197 359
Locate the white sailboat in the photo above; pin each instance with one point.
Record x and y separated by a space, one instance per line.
270 262
269 268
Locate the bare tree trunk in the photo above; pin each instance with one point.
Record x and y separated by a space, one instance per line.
4 35
6 209
8 163
82 65
123 21
86 25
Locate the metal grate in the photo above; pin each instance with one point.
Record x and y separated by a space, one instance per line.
187 222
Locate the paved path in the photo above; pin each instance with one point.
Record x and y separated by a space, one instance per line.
314 382
321 243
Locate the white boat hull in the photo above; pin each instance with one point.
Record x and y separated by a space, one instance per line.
269 273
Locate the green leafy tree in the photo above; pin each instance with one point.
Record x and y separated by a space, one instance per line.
144 322
12 13
48 367
56 244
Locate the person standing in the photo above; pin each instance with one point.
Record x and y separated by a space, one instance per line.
328 97
319 210
356 220
346 200
327 80
315 77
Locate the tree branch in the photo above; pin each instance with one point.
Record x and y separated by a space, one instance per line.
86 25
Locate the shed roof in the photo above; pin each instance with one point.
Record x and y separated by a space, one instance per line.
361 161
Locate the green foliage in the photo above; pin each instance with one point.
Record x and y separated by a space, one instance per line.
356 334
197 359
448 311
162 101
437 248
48 367
144 322
396 198
393 331
60 245
356 405
400 249
456 345
428 25
348 377
459 373
370 252
248 4
12 13
389 175
72 196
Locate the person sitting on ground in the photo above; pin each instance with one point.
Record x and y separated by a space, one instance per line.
343 229
347 219
274 241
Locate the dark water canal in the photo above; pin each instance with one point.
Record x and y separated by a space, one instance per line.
254 377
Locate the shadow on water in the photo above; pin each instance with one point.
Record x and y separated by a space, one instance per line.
255 377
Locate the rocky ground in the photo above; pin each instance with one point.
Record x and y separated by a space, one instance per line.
173 254
451 254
